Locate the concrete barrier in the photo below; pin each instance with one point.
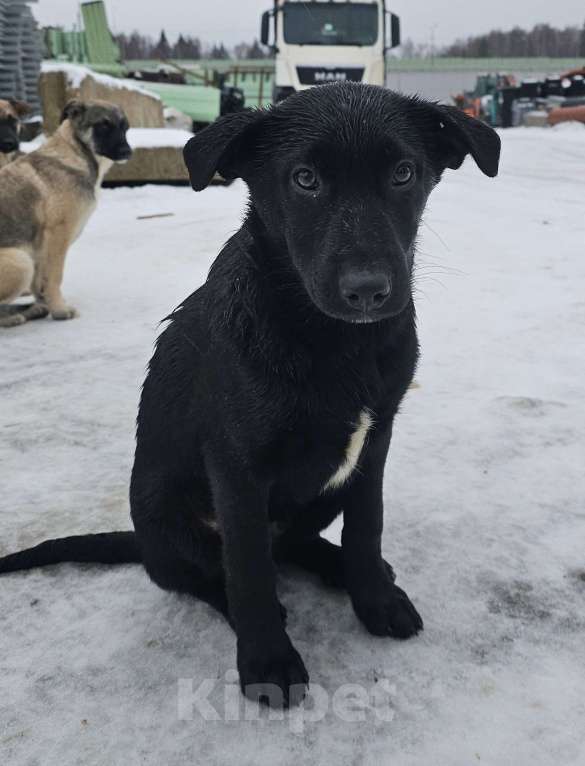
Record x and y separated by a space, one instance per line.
59 83
158 152
157 155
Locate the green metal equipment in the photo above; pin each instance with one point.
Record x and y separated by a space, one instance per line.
101 46
200 97
201 104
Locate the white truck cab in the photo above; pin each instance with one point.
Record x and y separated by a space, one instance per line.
323 41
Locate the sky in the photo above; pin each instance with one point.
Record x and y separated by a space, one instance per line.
232 21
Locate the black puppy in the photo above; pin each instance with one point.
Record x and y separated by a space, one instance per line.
269 402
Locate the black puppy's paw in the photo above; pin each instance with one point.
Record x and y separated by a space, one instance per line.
277 678
389 613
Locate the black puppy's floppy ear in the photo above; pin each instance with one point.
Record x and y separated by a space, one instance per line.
73 110
460 135
221 147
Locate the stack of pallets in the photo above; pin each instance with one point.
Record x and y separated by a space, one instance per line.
20 52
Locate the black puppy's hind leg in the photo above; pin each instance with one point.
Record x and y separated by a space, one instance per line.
320 557
170 572
303 546
177 555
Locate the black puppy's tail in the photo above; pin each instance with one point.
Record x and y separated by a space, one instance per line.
104 548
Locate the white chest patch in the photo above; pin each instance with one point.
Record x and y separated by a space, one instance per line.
352 453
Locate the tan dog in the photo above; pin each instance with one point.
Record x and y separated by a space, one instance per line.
47 197
11 114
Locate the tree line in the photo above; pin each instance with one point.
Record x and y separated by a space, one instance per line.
543 40
137 47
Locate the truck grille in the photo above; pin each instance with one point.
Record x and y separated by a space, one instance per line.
309 75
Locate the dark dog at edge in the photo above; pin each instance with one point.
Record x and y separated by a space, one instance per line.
11 114
269 401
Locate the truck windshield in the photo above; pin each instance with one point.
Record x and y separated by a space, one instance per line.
330 23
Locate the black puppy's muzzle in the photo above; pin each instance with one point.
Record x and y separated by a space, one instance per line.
364 291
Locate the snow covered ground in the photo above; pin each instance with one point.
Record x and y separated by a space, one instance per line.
485 504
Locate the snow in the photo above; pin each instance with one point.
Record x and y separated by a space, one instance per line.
571 126
138 138
76 74
484 498
31 146
158 137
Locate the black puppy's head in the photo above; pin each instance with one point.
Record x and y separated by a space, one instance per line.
100 125
339 176
11 113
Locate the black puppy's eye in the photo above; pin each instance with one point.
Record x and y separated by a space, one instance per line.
403 173
306 179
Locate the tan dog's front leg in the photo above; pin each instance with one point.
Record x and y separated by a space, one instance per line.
53 267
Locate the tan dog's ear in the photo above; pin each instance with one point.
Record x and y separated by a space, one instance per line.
20 107
73 110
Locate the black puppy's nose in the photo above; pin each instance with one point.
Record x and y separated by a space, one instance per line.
365 291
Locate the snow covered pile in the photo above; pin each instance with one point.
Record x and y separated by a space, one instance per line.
140 138
76 74
485 492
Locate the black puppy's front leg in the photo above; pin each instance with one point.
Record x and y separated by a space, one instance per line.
271 670
384 608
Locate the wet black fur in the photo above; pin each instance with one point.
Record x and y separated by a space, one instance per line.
260 376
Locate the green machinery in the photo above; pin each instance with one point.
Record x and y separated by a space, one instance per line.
94 45
200 97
